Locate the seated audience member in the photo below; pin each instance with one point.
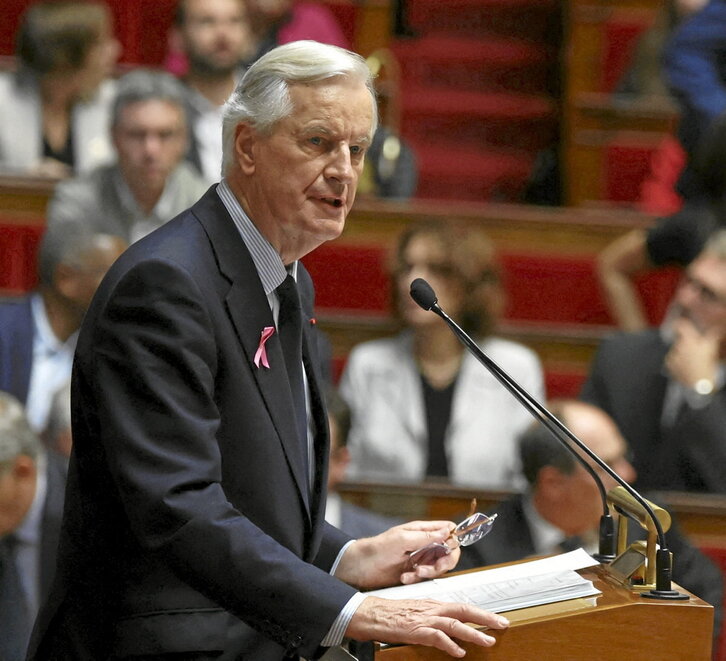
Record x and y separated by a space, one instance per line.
644 79
215 39
56 107
31 507
561 508
664 386
693 67
150 182
57 435
277 22
356 521
38 332
672 240
422 406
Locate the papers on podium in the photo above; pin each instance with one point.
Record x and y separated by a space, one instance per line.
508 588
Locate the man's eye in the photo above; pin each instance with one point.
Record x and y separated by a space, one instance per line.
356 150
316 141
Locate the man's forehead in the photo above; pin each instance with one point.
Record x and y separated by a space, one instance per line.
712 268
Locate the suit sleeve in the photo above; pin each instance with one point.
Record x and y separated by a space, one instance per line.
702 447
154 364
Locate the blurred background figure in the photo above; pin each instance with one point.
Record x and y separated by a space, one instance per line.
215 39
150 182
277 22
56 107
694 69
664 386
673 240
356 521
38 332
561 509
644 79
32 486
423 407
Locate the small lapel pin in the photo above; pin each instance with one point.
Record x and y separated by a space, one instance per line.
313 321
261 353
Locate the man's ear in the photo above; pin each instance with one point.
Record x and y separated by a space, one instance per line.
65 280
551 479
245 138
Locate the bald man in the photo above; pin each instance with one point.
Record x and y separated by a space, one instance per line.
562 507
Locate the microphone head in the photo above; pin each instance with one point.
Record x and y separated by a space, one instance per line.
423 294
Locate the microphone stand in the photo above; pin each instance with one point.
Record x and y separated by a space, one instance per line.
424 296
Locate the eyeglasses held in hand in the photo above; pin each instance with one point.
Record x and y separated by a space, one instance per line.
469 531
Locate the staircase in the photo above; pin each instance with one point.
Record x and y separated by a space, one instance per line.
478 94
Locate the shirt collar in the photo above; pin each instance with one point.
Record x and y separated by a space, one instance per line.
266 259
545 536
45 338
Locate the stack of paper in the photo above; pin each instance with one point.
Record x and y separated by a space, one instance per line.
508 588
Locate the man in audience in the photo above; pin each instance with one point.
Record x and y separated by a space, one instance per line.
664 387
561 509
354 520
194 522
38 332
149 183
215 38
32 484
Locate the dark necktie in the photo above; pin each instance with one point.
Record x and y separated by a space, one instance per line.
14 619
289 326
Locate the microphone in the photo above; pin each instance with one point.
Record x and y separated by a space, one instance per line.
423 294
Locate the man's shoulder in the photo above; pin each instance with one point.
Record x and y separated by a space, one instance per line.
14 310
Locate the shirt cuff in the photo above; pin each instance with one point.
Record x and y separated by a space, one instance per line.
337 631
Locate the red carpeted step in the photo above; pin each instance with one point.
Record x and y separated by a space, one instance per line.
499 119
535 20
486 63
452 172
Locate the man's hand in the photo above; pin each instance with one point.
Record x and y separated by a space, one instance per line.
377 562
423 622
694 355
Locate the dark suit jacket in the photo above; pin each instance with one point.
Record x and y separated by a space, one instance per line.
511 539
188 527
16 346
628 381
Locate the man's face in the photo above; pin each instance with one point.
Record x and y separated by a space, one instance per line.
598 431
17 489
215 35
302 177
150 139
701 295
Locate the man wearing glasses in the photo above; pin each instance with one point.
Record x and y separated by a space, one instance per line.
665 387
194 524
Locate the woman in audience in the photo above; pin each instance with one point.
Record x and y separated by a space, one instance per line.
55 108
422 407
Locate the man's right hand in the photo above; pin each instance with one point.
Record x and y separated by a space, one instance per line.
423 622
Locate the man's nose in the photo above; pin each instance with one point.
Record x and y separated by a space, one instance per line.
340 166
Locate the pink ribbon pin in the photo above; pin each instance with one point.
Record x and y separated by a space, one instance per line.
261 353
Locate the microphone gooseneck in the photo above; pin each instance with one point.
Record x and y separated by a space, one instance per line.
424 295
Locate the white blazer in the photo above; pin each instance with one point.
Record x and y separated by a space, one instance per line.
388 439
21 143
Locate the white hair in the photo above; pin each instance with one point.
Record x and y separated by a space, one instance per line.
262 97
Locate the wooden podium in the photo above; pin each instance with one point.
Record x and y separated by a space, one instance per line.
618 625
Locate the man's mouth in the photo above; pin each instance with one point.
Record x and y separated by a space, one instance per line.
332 201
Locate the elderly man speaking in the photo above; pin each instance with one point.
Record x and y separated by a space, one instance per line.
194 523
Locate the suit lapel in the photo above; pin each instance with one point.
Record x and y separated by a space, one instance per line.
250 313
